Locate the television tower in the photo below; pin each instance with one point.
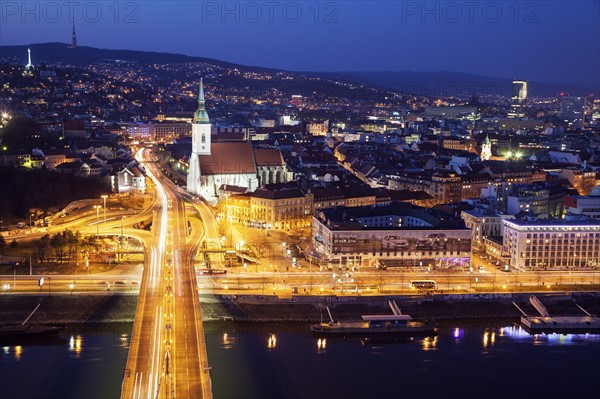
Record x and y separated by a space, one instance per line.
73 36
29 65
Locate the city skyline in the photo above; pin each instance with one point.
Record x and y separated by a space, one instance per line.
201 217
344 36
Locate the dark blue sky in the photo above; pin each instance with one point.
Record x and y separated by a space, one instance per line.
551 41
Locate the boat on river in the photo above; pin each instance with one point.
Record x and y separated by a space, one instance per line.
396 323
19 332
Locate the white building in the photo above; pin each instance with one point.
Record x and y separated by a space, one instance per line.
586 205
552 243
484 223
399 234
128 181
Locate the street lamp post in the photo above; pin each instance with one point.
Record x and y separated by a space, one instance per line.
97 208
121 237
15 276
104 197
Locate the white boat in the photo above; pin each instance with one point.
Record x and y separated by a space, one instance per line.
396 323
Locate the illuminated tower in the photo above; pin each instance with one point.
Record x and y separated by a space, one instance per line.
73 36
486 149
200 142
518 100
29 65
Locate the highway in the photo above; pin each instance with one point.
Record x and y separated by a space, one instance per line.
167 356
262 282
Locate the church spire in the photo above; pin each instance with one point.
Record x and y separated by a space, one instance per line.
201 116
201 94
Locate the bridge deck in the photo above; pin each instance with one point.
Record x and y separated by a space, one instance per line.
167 356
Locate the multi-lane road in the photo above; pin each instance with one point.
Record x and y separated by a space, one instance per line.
167 356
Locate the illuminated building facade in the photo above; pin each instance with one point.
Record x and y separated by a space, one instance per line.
552 243
518 100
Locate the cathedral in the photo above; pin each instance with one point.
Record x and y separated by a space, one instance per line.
219 164
486 149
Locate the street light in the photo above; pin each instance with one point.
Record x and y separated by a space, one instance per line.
15 276
104 197
97 208
121 237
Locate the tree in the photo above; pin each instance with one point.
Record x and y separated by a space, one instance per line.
58 243
73 243
42 247
2 243
13 244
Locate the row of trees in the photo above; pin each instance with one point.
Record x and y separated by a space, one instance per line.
65 247
44 189
4 244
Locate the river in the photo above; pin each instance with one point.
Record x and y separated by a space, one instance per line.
286 361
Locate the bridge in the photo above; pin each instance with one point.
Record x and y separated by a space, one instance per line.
167 355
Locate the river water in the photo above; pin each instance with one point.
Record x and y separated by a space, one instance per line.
286 361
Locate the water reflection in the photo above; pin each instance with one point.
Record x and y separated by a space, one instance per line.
458 333
321 345
272 341
229 340
75 345
429 343
519 333
489 338
18 351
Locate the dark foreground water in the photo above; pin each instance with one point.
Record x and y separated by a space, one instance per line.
285 361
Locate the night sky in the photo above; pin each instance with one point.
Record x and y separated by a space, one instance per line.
549 41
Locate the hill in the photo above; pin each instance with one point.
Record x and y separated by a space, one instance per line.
445 83
441 83
83 55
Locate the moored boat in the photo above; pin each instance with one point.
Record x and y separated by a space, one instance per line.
396 323
19 332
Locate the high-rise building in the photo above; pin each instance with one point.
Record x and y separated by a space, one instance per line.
518 100
572 110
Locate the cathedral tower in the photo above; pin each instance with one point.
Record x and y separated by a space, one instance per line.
200 142
486 149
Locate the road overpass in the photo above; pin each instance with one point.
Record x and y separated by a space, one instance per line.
167 355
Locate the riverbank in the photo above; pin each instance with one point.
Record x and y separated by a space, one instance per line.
68 309
118 307
436 307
